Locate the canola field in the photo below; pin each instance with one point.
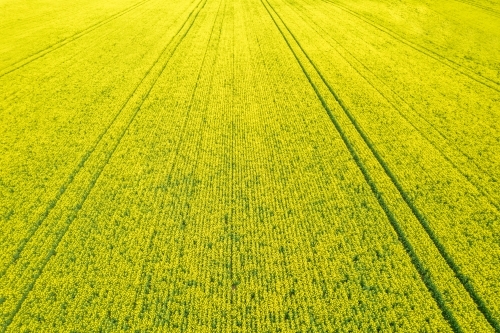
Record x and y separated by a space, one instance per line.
250 166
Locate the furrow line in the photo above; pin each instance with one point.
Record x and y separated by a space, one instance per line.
170 294
442 59
84 159
307 232
142 273
490 11
447 314
464 280
67 40
259 53
392 101
184 125
98 173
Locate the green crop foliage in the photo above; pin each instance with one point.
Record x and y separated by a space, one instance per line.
250 166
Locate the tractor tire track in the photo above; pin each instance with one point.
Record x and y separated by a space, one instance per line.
307 230
61 43
447 314
82 162
464 280
142 271
481 190
109 154
490 11
492 84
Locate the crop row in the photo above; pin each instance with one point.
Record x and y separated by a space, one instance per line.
58 117
244 169
441 200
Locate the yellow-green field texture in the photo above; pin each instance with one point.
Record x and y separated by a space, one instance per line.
250 166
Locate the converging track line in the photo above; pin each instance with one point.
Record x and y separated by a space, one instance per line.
96 176
492 84
81 164
447 314
477 186
61 43
422 220
489 10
